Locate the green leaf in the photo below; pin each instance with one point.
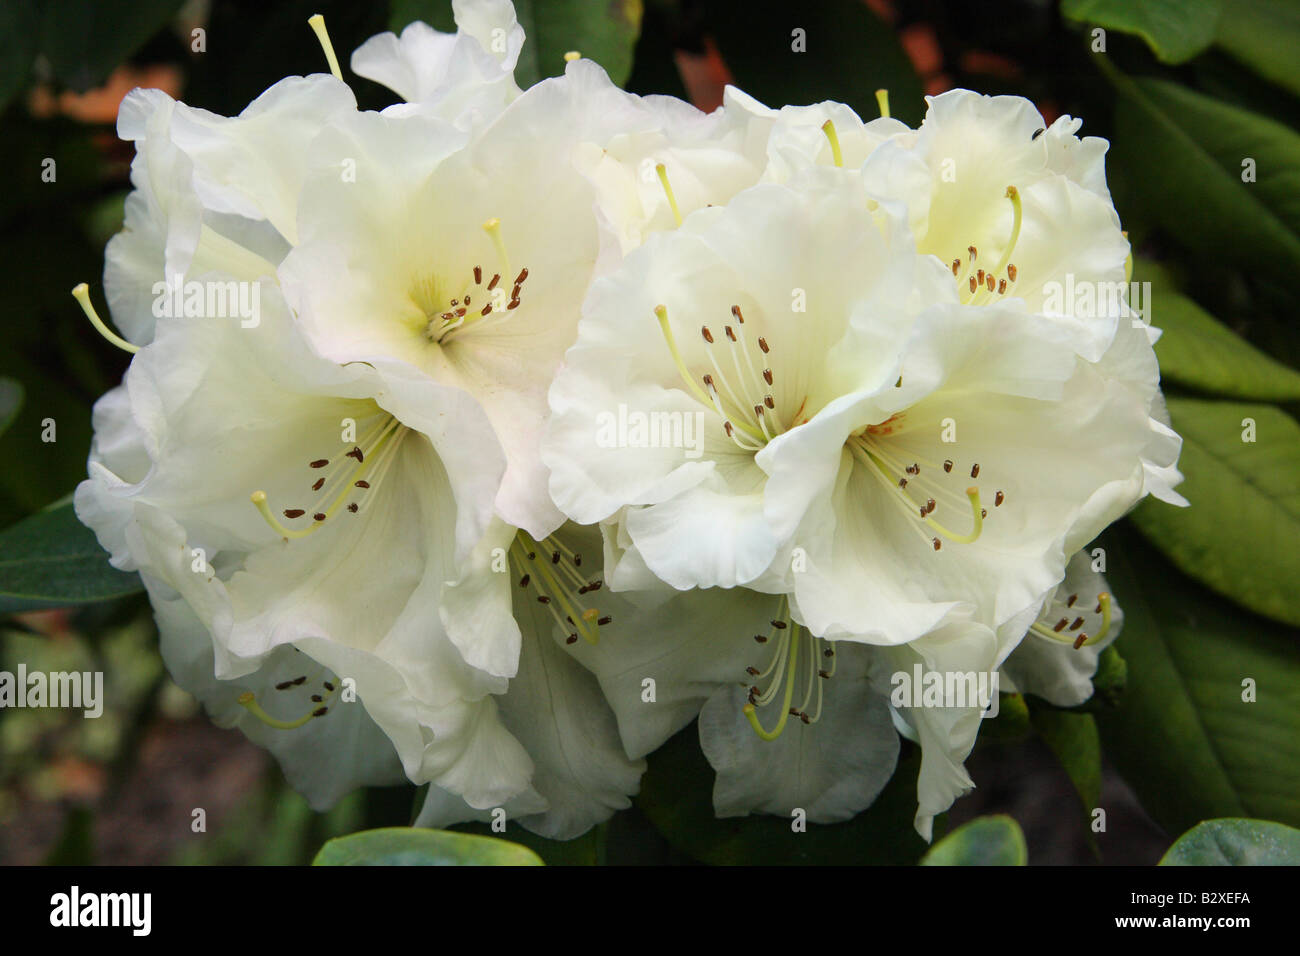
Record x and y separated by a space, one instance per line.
1235 842
605 32
1183 737
52 560
1197 350
1263 35
1074 739
1187 151
986 841
848 54
85 42
11 399
406 846
1176 30
1238 537
677 796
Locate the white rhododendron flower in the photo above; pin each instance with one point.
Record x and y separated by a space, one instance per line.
562 418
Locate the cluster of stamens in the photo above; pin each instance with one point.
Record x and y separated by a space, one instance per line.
1066 631
917 485
741 396
348 480
477 303
319 701
554 571
979 286
782 672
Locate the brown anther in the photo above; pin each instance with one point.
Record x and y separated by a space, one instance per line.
828 653
320 712
984 512
512 304
486 309
455 301
353 507
972 252
752 671
988 282
727 426
1078 623
1002 287
913 469
730 334
543 599
317 698
708 336
929 505
767 375
760 638
555 557
523 274
779 625
362 484
294 513
735 310
319 516
956 266
902 482
824 674
805 718
1072 599
762 344
972 283
320 462
1080 641
979 278
577 560
299 681
1037 133
769 401
1060 625
284 685
493 284
356 453
523 582
317 484
975 470
1011 272
571 639
478 275
460 313
947 465
998 499
937 544
602 621
328 686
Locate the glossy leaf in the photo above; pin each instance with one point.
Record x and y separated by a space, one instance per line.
1190 152
1238 537
407 846
1264 35
1235 842
52 560
1198 351
987 841
1176 30
1187 737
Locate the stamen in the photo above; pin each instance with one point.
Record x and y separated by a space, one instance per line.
836 156
82 294
668 191
317 24
882 99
